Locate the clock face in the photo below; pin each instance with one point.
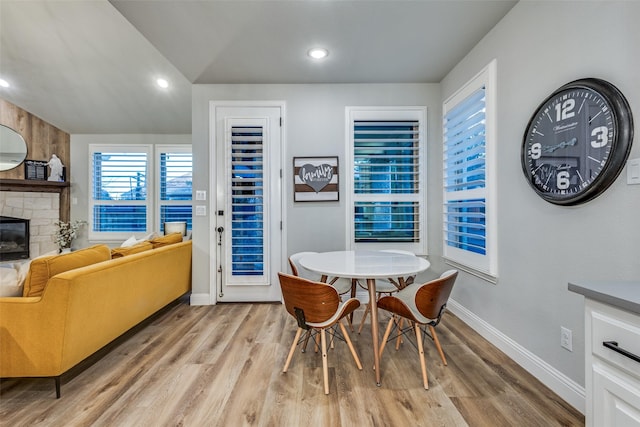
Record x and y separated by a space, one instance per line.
577 142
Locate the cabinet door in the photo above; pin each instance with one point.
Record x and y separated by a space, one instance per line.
616 398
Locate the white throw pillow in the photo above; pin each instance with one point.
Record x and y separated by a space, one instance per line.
10 286
148 237
23 268
129 242
12 276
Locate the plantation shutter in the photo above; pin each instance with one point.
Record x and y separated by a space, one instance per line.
176 180
386 181
246 184
119 191
465 175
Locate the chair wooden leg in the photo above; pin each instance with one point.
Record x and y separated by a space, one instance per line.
399 339
364 317
307 335
387 332
350 322
354 285
332 340
292 350
350 344
423 364
437 342
325 366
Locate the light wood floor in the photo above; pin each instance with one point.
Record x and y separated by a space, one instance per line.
221 366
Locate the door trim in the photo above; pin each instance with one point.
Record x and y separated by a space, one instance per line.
214 286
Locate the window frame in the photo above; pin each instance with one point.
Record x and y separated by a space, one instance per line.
482 265
153 201
357 113
160 149
149 183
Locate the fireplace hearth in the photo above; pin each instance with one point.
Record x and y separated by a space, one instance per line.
14 238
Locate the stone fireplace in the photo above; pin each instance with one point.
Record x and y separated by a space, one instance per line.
42 209
42 202
14 238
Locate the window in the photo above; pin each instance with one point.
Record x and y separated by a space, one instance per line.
386 180
468 161
123 200
119 205
175 184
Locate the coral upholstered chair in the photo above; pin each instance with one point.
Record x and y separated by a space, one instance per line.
423 307
316 307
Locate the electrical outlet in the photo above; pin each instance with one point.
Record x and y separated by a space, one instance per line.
566 339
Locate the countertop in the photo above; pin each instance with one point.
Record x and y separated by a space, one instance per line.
621 294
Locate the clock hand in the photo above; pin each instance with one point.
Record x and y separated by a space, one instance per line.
533 172
552 148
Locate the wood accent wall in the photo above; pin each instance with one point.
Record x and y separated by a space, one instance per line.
43 140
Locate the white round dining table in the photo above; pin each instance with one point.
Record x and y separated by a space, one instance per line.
368 265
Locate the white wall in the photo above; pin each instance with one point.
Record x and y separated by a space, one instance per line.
539 46
314 126
80 172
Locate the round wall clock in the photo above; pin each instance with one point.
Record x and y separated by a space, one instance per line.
577 141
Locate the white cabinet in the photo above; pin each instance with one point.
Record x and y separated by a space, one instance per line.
612 366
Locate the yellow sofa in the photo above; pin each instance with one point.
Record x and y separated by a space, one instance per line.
83 309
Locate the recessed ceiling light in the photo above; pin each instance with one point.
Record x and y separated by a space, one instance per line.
4 83
162 83
318 53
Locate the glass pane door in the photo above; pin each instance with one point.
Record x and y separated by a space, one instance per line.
247 202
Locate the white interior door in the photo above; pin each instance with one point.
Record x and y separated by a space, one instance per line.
248 203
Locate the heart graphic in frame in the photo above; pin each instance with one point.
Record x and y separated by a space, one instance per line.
316 176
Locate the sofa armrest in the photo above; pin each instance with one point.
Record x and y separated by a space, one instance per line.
31 334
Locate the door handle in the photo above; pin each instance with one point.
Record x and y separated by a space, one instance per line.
613 345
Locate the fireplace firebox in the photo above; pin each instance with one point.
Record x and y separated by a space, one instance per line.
14 238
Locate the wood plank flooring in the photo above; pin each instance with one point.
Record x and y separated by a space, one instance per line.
222 366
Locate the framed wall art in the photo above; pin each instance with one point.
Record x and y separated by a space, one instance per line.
35 170
315 179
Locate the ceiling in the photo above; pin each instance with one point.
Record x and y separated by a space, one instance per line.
89 66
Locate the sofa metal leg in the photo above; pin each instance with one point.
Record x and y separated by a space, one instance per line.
57 380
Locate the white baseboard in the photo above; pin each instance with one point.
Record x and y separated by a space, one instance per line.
572 392
200 299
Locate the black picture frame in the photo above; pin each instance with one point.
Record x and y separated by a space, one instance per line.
35 170
315 179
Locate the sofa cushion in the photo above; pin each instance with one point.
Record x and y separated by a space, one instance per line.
38 275
169 239
43 268
139 247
